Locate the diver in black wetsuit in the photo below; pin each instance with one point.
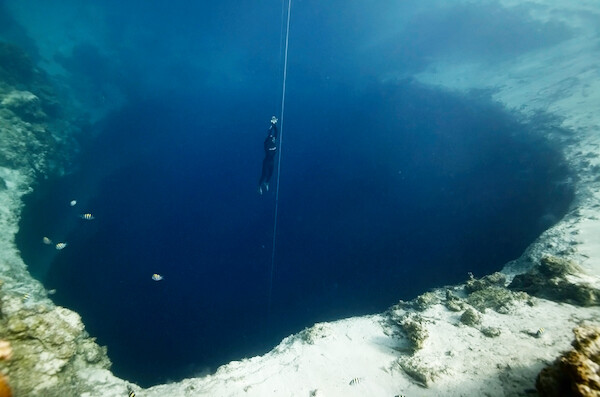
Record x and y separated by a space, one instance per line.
269 161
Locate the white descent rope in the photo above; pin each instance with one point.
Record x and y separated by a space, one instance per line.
281 120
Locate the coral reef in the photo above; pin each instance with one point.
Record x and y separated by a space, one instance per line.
577 372
551 279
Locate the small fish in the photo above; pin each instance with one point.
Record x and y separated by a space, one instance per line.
157 277
60 246
73 203
130 392
25 297
87 217
355 381
51 291
47 241
540 332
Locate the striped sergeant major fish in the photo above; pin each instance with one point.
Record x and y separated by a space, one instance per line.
87 217
355 381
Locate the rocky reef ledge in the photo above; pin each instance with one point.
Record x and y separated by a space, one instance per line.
493 335
50 354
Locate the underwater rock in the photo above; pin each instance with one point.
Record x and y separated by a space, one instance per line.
425 301
24 145
470 317
400 324
16 67
24 104
558 267
491 332
489 292
93 353
498 299
453 302
549 279
414 328
576 372
50 347
310 335
492 280
421 374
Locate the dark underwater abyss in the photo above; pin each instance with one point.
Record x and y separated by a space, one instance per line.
381 198
387 189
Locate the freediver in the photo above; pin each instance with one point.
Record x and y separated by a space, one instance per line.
268 164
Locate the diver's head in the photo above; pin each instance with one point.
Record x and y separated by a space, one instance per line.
273 120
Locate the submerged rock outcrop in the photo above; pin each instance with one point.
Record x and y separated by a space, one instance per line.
51 354
49 346
555 278
576 372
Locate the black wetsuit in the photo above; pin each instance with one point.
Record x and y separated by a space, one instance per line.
269 160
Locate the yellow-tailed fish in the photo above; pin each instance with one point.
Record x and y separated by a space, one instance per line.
87 217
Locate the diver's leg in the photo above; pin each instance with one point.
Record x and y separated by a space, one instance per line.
264 175
269 171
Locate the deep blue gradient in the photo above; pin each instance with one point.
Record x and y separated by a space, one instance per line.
388 188
382 197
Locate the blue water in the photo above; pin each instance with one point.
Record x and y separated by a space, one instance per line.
387 188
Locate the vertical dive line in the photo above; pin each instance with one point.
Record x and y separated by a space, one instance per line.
280 57
281 119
